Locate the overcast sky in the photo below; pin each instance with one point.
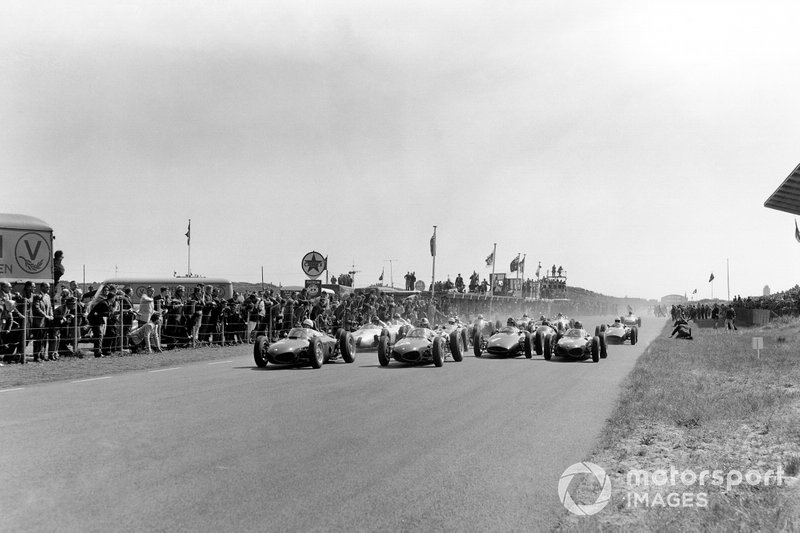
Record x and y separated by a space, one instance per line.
633 143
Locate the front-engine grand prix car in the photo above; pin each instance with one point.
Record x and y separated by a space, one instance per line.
509 341
575 343
305 345
631 320
422 346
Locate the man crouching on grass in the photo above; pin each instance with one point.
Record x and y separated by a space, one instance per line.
146 336
682 330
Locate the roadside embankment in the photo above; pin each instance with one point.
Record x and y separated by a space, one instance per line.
705 437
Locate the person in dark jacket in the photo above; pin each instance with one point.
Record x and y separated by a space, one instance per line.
99 314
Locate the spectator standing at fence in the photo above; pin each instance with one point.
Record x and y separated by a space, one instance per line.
147 306
146 336
42 325
161 300
100 313
64 321
58 267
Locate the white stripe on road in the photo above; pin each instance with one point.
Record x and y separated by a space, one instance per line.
164 369
91 379
219 362
9 390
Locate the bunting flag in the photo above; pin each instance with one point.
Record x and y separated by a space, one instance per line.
538 269
433 244
490 259
796 231
515 264
711 277
381 278
189 233
694 291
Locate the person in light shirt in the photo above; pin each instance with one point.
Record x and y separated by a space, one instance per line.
146 337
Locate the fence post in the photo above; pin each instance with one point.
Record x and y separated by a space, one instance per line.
25 322
76 333
120 327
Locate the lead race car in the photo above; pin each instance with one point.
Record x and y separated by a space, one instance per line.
619 332
541 329
508 341
305 345
576 343
422 345
631 319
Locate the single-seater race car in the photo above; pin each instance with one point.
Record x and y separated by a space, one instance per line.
368 336
575 343
485 328
619 332
305 345
541 329
631 320
422 345
508 341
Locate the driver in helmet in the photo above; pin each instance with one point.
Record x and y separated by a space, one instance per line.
510 322
577 325
377 321
307 324
424 323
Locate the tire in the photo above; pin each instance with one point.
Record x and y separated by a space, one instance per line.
260 351
347 347
603 328
464 340
537 343
596 349
639 321
476 343
383 351
603 346
596 331
528 345
339 333
455 346
547 347
402 333
634 335
438 351
316 356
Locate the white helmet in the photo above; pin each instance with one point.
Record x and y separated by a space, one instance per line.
307 323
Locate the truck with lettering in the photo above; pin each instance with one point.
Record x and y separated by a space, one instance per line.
26 250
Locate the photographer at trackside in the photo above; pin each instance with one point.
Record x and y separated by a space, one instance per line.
145 337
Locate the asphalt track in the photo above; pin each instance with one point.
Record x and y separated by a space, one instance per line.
225 446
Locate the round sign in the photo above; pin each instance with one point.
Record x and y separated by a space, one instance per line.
313 264
32 252
419 285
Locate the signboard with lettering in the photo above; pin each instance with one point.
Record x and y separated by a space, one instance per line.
313 287
25 249
313 264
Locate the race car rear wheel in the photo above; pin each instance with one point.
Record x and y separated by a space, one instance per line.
260 351
634 335
528 343
464 340
438 351
347 347
537 343
596 349
455 346
476 343
339 333
603 346
547 346
383 351
315 356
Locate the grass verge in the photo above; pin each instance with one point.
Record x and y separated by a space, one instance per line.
708 404
69 368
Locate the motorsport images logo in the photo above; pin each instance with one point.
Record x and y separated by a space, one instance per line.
584 509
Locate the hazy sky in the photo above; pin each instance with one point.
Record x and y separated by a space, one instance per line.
632 142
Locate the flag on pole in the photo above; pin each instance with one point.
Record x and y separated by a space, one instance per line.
189 233
538 269
381 278
796 231
490 259
711 277
694 291
522 264
433 244
515 264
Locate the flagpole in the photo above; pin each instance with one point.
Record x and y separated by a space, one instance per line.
189 245
433 273
728 266
494 261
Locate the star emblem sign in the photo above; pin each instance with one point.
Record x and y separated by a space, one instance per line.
313 263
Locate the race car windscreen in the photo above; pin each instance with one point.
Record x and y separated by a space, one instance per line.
298 333
418 333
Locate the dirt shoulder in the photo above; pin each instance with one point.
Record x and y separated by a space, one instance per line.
705 437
